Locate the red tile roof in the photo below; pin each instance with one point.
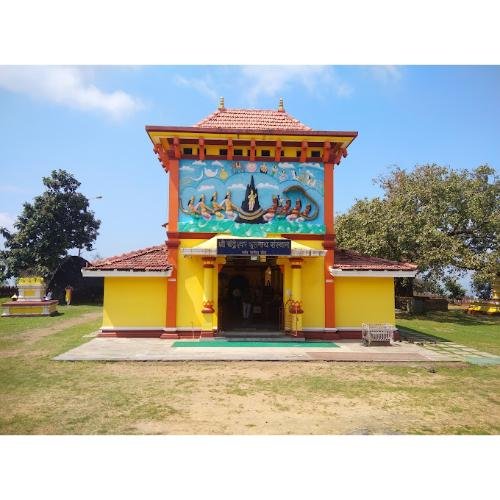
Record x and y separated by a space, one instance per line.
146 259
155 259
349 260
252 119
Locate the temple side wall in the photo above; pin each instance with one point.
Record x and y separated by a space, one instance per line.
364 300
134 302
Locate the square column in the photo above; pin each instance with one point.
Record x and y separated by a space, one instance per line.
208 300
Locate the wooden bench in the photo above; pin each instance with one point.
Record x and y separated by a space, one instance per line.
376 332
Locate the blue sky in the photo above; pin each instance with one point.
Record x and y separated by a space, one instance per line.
90 121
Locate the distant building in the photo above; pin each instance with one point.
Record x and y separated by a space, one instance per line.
250 238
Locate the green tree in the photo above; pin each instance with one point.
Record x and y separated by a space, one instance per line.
455 290
55 222
482 286
444 220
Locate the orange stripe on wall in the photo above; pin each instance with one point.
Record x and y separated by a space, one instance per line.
171 319
173 242
173 199
329 245
328 206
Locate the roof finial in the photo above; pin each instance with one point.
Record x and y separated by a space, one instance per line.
221 104
280 106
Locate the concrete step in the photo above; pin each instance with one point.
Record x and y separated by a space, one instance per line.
263 337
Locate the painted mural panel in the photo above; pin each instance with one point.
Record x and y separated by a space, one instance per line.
246 198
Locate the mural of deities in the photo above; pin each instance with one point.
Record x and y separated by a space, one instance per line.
246 198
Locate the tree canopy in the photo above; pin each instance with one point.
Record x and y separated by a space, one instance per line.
55 222
444 220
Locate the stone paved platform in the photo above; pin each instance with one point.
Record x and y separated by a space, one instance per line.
134 349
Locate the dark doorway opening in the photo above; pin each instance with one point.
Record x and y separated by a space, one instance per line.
250 295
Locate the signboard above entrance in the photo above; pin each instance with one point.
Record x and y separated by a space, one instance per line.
245 247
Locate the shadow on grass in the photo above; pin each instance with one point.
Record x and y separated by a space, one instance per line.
412 335
456 317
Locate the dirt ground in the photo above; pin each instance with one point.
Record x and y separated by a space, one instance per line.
316 398
42 396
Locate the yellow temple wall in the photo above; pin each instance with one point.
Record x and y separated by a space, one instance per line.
287 287
364 300
134 302
190 290
313 288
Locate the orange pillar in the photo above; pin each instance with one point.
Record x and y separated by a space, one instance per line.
172 244
329 246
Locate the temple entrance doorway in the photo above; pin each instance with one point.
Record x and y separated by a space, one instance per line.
250 295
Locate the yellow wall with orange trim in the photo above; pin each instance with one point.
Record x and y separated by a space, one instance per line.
364 300
313 288
134 302
190 290
312 285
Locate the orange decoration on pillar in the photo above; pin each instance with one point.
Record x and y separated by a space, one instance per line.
340 153
201 148
296 262
252 150
177 148
209 262
303 152
208 307
296 307
277 154
327 149
162 156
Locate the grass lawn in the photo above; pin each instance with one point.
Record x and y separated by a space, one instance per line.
480 332
41 396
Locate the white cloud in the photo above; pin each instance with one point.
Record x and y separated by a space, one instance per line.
202 85
386 74
237 186
262 185
187 168
217 163
206 187
68 86
7 220
271 80
198 162
286 165
312 165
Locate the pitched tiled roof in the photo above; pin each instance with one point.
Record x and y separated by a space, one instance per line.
146 259
349 260
155 259
252 119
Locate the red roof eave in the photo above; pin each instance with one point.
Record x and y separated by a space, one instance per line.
250 131
146 259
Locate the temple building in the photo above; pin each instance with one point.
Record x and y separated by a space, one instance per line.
250 238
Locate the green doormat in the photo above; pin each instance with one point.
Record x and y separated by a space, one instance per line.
227 343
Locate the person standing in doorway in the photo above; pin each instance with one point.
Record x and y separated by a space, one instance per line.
247 304
68 293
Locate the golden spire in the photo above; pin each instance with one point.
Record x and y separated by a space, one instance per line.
280 105
221 104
